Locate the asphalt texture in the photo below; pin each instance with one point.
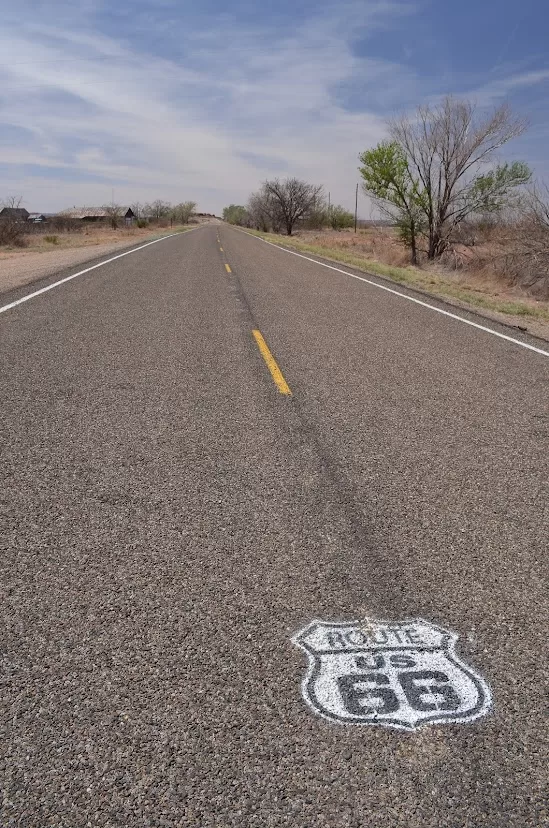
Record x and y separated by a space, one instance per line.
170 521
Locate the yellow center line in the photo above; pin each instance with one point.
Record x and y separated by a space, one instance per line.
227 268
276 373
221 249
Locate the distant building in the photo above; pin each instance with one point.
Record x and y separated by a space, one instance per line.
17 213
96 214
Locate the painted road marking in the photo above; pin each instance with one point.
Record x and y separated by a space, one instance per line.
227 268
400 675
221 249
276 373
410 299
82 272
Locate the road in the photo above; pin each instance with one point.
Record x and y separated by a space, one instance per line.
171 521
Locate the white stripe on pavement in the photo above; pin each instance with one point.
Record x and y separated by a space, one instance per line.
410 298
81 272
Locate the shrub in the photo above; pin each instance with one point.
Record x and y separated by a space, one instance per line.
12 233
340 218
51 239
141 223
318 218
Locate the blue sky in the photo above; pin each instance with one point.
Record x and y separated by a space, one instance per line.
179 100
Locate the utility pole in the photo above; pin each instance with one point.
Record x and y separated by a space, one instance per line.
356 206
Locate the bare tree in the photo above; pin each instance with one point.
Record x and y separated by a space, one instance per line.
157 209
114 214
182 212
445 148
12 202
283 203
527 262
258 212
137 209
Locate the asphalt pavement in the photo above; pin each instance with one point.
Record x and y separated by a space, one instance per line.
171 521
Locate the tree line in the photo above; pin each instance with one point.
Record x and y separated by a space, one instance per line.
153 211
437 170
13 231
282 205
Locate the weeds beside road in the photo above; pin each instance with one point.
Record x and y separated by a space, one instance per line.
374 251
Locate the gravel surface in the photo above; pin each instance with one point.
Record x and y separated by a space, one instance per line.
171 521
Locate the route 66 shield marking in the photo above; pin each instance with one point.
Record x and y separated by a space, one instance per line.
400 675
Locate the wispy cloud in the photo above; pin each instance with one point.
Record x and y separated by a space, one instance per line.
495 91
238 105
171 102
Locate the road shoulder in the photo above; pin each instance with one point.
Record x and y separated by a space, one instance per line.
536 328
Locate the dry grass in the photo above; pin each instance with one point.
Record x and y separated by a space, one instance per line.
47 257
90 236
94 235
468 281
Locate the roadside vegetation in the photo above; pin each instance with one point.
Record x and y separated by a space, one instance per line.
64 231
453 218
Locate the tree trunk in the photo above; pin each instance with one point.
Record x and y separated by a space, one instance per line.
413 243
434 243
437 245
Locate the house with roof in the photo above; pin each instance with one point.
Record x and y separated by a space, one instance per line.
93 214
14 213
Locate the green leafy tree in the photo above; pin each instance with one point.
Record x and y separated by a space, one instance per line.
236 214
387 178
340 218
429 176
494 191
318 217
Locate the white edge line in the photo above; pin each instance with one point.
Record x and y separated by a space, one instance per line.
87 270
409 298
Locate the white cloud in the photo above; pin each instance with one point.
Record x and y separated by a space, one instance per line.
193 128
240 103
493 92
